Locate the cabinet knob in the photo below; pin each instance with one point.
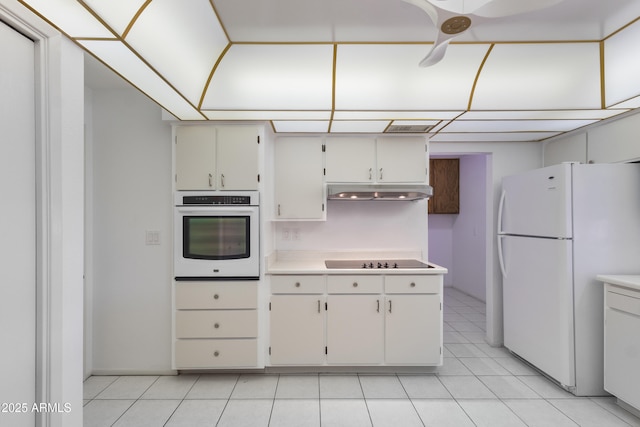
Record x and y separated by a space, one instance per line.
413 285
216 296
297 284
216 325
216 353
355 284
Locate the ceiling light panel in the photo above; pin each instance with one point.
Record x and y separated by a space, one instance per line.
547 76
128 65
515 125
387 77
492 137
300 126
396 115
273 77
266 115
540 115
116 13
364 126
70 17
621 66
182 41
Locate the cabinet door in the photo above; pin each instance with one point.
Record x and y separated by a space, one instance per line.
237 157
195 158
299 185
413 326
355 329
444 177
401 159
297 330
350 159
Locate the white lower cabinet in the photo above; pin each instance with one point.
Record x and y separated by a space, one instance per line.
297 329
622 344
216 325
356 320
355 329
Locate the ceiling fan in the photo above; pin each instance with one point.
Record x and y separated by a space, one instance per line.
450 23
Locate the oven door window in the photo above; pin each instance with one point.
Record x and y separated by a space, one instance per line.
216 237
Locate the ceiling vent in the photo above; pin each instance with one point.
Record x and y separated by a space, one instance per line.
408 129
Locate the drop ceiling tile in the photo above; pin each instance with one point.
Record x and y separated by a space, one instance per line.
359 126
545 76
70 17
116 13
540 115
515 125
301 126
266 115
272 77
492 137
622 68
387 77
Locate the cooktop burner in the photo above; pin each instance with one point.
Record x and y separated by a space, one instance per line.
374 264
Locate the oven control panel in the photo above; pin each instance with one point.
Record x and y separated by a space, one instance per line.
216 200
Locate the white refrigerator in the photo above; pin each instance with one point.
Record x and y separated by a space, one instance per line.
559 227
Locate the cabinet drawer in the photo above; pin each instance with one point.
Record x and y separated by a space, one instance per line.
624 303
412 284
297 284
212 295
216 353
216 324
354 284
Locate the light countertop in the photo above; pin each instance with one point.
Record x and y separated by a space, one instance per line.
629 281
303 262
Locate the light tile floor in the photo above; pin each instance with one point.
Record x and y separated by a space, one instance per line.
478 385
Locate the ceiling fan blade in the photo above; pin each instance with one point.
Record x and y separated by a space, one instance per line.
436 53
500 8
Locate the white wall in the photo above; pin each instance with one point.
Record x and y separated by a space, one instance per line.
470 228
361 226
129 168
502 159
441 250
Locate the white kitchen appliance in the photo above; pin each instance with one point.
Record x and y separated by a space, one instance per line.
559 227
216 235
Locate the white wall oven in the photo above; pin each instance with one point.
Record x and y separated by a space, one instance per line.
216 235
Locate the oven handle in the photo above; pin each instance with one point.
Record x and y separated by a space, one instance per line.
212 209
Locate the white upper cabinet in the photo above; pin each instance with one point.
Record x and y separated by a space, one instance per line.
216 157
401 159
350 159
195 157
299 187
380 160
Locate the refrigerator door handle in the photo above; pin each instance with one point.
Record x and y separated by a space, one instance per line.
501 256
503 196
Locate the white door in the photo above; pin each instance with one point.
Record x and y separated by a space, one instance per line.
195 158
350 159
412 329
17 228
537 203
237 157
401 159
299 185
538 303
355 329
297 330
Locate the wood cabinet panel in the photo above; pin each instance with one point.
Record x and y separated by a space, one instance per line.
444 177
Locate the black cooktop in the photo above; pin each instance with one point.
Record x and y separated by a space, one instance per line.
375 264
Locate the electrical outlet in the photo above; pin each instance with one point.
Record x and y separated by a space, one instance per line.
286 234
295 233
152 237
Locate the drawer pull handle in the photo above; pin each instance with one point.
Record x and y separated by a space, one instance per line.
355 284
216 353
216 296
413 285
378 309
318 306
389 306
297 284
217 325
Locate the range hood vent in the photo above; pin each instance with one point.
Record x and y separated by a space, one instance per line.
408 129
358 192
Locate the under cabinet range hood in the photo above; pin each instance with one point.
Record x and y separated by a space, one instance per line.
355 192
